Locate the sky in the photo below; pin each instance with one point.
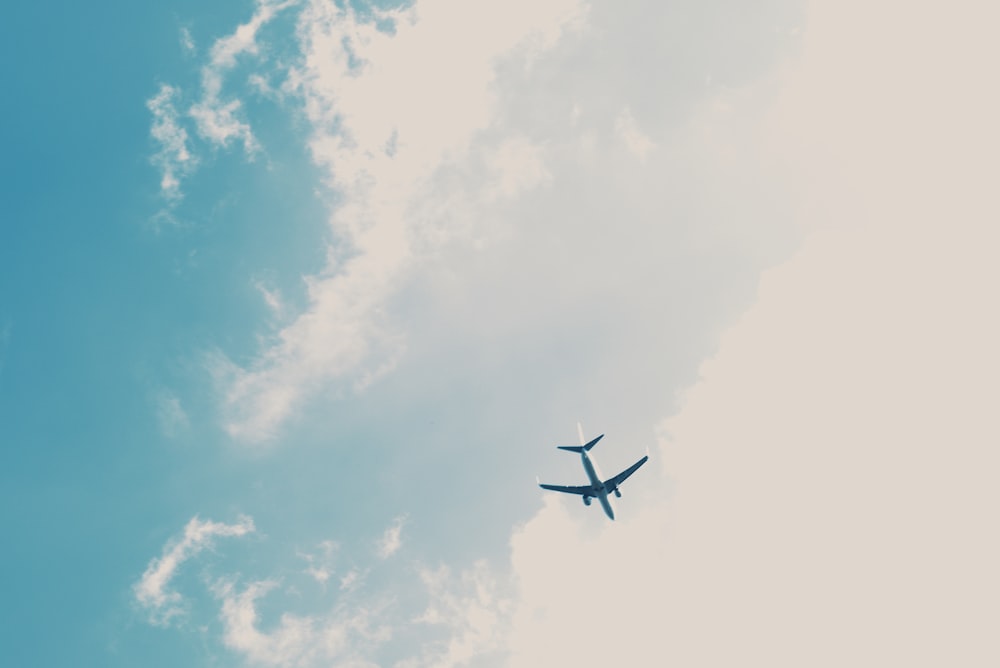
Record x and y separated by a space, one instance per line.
296 298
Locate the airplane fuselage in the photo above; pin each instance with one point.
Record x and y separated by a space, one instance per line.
597 482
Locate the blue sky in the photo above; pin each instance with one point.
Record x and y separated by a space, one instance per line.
295 300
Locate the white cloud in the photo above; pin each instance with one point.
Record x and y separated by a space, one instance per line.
392 538
831 475
152 590
831 472
576 580
173 158
387 111
429 153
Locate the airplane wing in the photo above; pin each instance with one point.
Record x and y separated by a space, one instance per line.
583 490
611 483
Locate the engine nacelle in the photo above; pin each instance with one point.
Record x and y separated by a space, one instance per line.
617 493
586 500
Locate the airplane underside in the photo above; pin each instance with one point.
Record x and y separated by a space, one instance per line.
597 489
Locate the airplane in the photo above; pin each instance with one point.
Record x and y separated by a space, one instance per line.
596 489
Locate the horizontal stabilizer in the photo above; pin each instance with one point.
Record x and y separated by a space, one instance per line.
581 448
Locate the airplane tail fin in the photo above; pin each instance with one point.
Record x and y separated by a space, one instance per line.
581 448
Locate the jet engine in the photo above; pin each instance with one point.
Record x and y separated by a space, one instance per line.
617 493
586 500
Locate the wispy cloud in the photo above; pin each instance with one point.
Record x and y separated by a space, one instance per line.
472 609
351 579
469 611
272 297
219 120
173 157
152 590
170 414
392 538
344 635
320 564
634 139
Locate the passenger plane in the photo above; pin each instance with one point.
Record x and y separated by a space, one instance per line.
596 489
